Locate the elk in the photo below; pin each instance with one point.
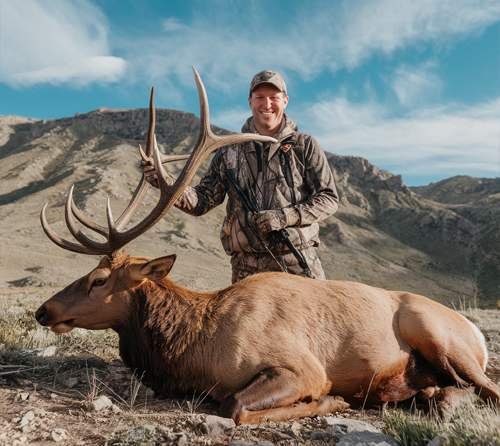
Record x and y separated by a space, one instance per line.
272 347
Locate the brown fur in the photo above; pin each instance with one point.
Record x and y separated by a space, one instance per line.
275 341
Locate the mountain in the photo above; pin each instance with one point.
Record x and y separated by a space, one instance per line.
384 233
461 190
477 200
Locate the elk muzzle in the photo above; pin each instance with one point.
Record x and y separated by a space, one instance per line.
45 316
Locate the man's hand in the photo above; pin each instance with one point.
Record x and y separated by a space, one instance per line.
150 174
276 219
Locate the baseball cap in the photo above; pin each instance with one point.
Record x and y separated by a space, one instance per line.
268 77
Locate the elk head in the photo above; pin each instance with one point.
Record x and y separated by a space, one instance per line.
100 299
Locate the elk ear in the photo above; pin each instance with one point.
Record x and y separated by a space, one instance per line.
158 268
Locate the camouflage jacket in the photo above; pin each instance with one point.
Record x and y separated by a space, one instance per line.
260 170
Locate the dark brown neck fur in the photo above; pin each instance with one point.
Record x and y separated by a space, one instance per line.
166 322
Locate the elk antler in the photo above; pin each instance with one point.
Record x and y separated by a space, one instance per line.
116 236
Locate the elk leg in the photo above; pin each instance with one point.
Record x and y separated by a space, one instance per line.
323 406
456 359
467 367
465 370
277 394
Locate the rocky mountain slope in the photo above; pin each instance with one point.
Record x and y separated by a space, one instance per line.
461 190
384 233
477 200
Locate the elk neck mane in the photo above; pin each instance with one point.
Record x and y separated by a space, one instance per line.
168 324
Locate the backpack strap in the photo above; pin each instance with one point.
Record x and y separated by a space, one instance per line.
293 146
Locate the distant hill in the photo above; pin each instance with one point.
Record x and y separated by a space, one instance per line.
460 189
424 240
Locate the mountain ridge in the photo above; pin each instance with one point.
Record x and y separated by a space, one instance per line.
385 233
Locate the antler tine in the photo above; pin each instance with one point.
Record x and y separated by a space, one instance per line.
137 196
59 241
111 223
96 247
165 159
205 128
124 218
86 221
152 122
144 157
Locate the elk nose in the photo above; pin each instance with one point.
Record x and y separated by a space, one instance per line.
42 315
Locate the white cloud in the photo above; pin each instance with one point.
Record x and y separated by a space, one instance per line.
43 40
172 24
441 141
317 37
416 85
232 119
55 41
387 25
79 72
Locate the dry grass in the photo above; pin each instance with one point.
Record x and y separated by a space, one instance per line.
471 424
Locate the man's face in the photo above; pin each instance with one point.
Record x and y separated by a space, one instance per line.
268 106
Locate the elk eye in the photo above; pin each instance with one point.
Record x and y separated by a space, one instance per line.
98 282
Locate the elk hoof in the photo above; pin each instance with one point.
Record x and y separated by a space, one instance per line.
331 404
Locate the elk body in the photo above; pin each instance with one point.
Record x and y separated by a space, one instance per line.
273 346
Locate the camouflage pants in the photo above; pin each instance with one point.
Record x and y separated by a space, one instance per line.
245 264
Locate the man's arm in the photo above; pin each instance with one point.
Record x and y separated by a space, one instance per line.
324 198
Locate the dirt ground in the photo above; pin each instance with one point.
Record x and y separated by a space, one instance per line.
52 387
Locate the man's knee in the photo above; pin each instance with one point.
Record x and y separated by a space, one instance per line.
313 262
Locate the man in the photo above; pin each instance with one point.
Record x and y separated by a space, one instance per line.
276 191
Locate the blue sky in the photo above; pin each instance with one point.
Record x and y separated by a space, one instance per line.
413 86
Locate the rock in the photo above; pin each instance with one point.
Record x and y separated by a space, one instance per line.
27 418
182 439
341 426
323 436
366 439
250 443
140 434
215 426
337 428
281 436
58 435
48 352
437 441
296 429
102 403
23 396
71 382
